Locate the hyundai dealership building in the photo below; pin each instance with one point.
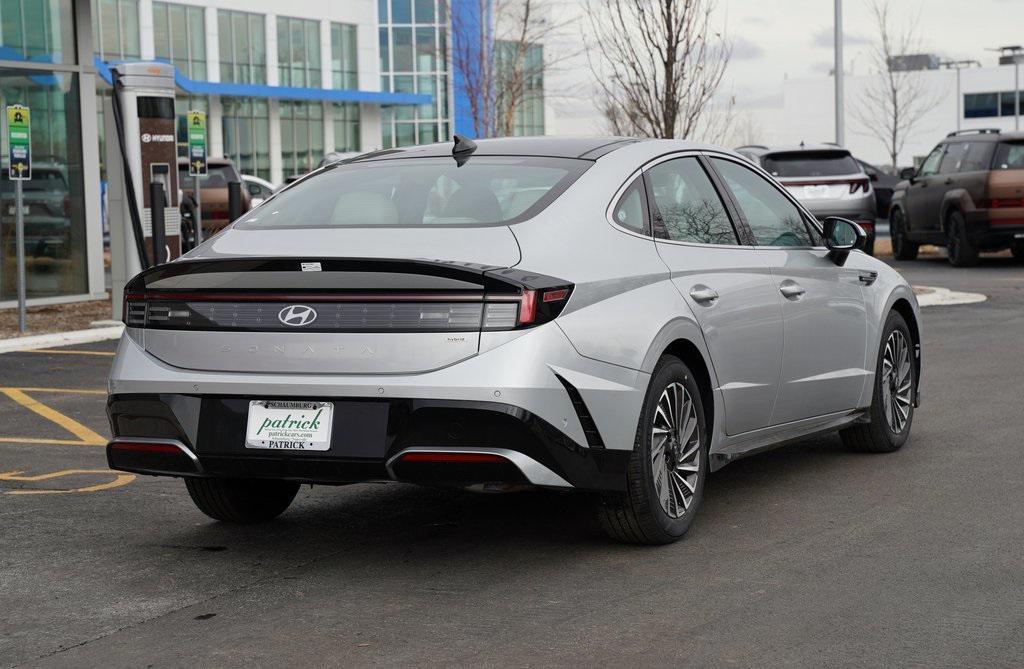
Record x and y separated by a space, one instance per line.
282 84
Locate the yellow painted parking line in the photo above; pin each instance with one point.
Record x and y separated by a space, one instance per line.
86 437
120 479
66 352
72 391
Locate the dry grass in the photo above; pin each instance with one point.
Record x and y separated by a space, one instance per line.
55 318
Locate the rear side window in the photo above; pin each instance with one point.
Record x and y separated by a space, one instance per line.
486 190
774 220
1010 156
978 158
810 164
685 205
631 211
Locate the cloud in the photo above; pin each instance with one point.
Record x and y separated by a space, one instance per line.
824 37
744 49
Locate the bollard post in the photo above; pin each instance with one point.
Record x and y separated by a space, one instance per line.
234 200
156 211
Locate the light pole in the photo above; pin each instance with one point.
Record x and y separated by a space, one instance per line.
958 65
838 40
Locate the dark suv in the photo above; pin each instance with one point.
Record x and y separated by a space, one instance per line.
968 195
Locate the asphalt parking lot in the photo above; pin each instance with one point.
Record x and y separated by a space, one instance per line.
807 555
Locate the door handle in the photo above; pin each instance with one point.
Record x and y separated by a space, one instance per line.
792 290
948 181
703 295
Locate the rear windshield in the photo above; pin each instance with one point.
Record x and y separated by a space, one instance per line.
217 176
811 164
486 190
1010 156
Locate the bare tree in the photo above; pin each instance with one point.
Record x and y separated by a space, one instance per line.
895 100
498 52
659 65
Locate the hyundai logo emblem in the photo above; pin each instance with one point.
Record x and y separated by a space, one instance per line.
297 315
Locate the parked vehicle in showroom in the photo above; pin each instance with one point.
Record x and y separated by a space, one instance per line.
46 205
968 196
826 179
609 315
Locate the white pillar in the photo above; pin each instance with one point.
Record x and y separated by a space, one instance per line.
328 127
147 44
276 162
369 128
215 126
212 44
271 39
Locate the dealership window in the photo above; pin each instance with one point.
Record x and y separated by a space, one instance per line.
989 105
346 126
115 29
38 30
298 52
528 114
302 136
344 59
243 50
183 104
53 204
246 126
414 59
179 36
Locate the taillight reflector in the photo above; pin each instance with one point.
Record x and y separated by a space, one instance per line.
145 447
997 203
556 295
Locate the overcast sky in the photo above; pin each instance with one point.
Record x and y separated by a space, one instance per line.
775 39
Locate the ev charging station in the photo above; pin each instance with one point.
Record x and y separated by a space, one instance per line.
142 172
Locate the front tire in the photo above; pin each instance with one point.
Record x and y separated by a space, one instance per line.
892 405
962 253
241 500
669 464
902 248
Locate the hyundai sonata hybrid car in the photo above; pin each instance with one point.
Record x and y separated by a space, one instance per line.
610 315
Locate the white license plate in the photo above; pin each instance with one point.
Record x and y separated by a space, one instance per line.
815 192
289 426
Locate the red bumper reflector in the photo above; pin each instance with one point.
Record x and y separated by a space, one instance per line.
144 447
474 458
556 295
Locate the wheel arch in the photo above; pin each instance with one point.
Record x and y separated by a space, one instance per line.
904 308
693 358
957 199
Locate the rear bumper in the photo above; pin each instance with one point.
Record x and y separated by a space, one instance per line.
203 436
995 227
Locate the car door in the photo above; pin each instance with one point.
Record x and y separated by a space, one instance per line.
824 313
920 198
727 285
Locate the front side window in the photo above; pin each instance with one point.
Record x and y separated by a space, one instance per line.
955 153
685 205
930 165
414 192
631 211
774 220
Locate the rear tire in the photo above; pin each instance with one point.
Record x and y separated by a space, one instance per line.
895 391
962 253
241 500
666 474
1018 251
902 248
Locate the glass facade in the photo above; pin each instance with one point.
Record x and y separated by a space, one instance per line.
115 29
528 114
37 30
179 37
344 59
346 127
298 52
302 136
989 105
246 126
414 59
243 47
54 203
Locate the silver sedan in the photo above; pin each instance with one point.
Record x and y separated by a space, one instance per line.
610 315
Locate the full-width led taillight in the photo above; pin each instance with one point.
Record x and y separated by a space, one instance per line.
450 456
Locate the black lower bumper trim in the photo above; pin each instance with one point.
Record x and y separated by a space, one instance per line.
366 434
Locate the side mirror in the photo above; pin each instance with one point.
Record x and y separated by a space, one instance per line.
841 237
908 173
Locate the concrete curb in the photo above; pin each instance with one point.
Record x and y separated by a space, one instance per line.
932 296
61 339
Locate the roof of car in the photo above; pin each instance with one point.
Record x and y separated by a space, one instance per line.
588 148
217 162
804 147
